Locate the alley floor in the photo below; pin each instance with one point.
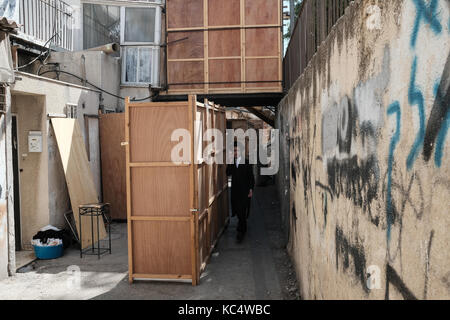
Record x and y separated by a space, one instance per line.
258 268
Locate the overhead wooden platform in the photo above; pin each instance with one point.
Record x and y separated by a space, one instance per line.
224 47
231 100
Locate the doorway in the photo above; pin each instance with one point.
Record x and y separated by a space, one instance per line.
15 158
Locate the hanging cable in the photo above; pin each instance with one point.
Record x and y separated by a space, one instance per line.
93 85
48 49
42 52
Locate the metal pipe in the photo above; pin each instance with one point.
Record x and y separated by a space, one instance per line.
107 48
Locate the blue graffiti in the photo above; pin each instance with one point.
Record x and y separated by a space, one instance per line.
436 88
429 14
394 108
440 141
415 97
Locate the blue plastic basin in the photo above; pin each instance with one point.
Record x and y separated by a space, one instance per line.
46 253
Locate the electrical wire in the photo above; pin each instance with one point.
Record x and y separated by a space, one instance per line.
42 52
93 85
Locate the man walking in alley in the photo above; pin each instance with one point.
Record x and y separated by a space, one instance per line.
242 183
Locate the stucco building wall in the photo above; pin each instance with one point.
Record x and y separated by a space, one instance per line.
43 191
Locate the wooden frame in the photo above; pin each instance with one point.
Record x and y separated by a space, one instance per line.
240 51
172 237
112 134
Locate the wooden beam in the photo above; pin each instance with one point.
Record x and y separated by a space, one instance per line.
127 139
266 118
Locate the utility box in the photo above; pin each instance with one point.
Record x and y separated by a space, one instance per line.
34 141
224 47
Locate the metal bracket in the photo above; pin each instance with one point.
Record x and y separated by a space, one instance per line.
124 144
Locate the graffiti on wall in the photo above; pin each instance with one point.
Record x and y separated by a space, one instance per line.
368 162
350 133
439 120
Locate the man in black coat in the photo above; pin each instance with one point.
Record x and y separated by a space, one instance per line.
242 184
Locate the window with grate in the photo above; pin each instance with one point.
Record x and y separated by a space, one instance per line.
140 42
101 25
2 98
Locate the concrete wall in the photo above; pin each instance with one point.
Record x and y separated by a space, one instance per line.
3 202
368 160
33 182
282 178
100 69
43 190
6 196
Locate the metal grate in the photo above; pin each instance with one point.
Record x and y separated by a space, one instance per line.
2 98
313 24
71 111
47 21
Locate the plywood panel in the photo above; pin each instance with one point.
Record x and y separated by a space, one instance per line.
168 238
239 124
220 177
161 247
151 130
112 133
184 13
262 70
221 122
225 73
225 38
261 42
183 73
223 13
185 45
79 177
210 181
259 12
204 242
224 43
160 191
202 195
214 222
199 132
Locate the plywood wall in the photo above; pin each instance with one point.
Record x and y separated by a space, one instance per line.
112 134
217 46
175 210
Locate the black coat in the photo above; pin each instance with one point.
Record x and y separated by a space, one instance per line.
242 180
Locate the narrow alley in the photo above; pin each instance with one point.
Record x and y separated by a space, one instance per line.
257 269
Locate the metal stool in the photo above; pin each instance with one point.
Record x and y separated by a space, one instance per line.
95 210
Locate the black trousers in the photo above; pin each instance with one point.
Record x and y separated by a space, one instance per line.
242 224
241 210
